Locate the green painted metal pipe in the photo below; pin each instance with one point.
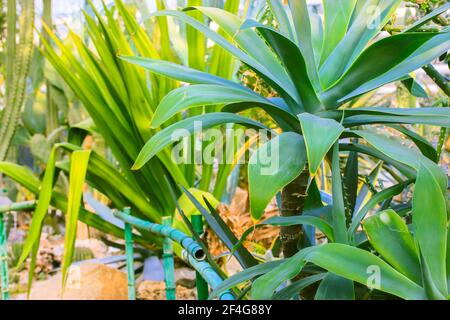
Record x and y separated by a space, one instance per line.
184 240
188 255
18 206
208 273
130 258
169 263
201 284
4 259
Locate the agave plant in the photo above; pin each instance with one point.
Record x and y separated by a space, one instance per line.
317 68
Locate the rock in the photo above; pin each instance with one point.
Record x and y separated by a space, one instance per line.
151 290
87 281
185 277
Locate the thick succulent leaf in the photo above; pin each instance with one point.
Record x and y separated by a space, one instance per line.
337 19
424 146
391 148
280 14
279 112
371 17
334 287
343 260
378 115
271 70
415 88
379 197
78 168
248 40
390 236
295 65
243 276
264 287
272 167
293 290
179 72
406 170
430 50
430 224
202 95
385 52
164 138
303 30
355 264
427 18
338 209
320 134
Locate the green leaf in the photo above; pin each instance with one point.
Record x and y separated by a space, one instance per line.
424 146
264 287
294 63
243 276
78 168
334 287
224 233
302 24
280 15
202 95
390 236
272 167
376 115
294 289
438 44
320 135
430 224
368 20
356 264
415 88
179 72
337 14
164 138
338 209
45 195
381 196
385 52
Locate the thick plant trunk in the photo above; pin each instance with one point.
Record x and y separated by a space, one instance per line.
292 203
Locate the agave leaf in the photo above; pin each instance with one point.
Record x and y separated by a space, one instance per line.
430 224
296 287
164 138
356 79
202 95
334 287
390 236
272 167
320 135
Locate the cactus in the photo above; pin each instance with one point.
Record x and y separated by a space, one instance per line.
18 65
83 253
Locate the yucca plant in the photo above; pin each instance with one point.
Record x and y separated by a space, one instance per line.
316 72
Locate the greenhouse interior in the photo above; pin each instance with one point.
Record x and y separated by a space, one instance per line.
224 150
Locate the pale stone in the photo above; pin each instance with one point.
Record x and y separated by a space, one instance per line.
87 281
